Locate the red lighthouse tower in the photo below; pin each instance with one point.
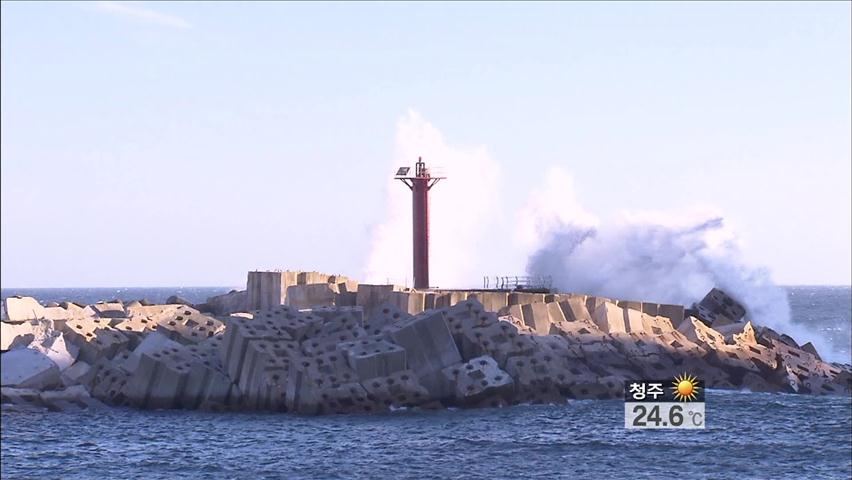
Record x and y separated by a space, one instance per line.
420 184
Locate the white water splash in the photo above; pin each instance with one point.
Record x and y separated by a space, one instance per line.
666 257
461 208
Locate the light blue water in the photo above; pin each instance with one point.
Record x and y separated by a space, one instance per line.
125 294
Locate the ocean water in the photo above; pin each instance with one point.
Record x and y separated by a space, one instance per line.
125 294
748 435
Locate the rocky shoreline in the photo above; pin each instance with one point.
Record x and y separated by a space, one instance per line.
335 346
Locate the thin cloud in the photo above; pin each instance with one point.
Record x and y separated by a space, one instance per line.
135 12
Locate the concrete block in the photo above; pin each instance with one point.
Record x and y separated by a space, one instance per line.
609 317
601 352
270 387
70 399
592 303
344 284
537 317
696 331
288 320
409 302
174 377
500 340
462 324
747 337
718 304
371 296
207 388
328 343
153 313
159 380
371 358
732 359
336 319
347 299
106 381
265 371
267 290
478 379
275 325
207 351
579 330
465 315
312 295
721 321
140 325
491 301
330 313
383 316
19 309
524 298
344 398
231 302
675 313
28 368
429 346
314 382
540 377
652 309
14 336
802 363
153 342
838 385
633 320
72 375
738 334
399 389
656 325
57 349
677 345
109 309
518 322
630 304
429 300
95 338
468 308
60 314
448 298
187 325
23 399
307 278
554 311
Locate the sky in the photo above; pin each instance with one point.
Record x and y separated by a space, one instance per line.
183 144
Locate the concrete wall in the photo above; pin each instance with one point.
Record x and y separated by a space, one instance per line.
268 289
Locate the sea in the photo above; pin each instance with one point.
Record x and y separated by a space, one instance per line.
747 435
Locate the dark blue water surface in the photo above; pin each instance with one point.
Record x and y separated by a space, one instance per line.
748 435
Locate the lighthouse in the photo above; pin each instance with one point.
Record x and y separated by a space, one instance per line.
420 183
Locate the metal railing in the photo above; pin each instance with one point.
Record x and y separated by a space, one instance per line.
517 282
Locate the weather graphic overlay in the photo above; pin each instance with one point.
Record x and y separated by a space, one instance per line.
674 403
685 388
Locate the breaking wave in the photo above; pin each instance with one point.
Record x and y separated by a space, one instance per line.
665 257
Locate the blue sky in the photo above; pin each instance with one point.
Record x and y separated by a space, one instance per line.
149 144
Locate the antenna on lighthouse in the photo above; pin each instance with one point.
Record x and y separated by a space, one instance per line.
419 184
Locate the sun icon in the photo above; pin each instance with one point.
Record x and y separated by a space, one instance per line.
685 387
